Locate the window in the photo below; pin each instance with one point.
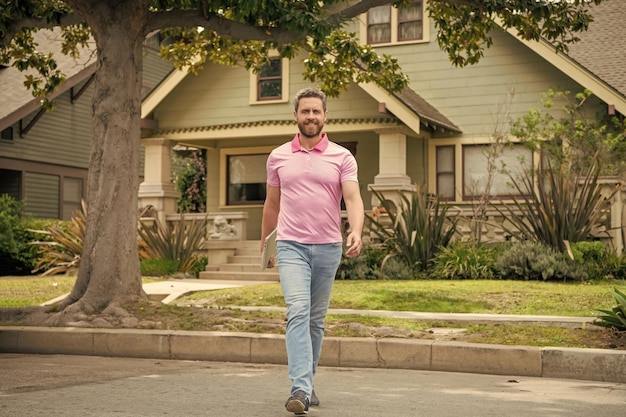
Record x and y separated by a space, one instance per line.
476 177
270 81
7 134
271 84
386 24
445 172
246 179
72 196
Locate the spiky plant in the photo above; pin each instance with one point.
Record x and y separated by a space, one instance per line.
615 317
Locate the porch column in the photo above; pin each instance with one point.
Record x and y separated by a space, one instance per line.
391 179
157 188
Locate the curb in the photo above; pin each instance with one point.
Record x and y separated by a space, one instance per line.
357 352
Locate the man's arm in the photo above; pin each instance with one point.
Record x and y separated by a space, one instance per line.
271 207
356 217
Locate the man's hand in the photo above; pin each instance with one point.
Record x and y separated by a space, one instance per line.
353 245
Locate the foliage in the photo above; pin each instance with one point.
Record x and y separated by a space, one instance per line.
158 267
615 317
10 216
396 268
563 206
191 183
61 249
535 261
575 137
29 255
199 266
465 260
179 242
363 266
599 261
457 24
419 229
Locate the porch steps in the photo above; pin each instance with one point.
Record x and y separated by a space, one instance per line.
242 266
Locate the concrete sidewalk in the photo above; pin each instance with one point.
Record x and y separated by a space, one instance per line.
389 353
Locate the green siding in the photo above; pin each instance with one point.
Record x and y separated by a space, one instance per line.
42 195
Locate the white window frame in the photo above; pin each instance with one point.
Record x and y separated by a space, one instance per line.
254 89
458 165
394 28
224 154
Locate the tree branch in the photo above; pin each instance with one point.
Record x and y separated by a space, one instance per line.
40 23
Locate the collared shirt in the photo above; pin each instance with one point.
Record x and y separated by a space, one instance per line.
310 189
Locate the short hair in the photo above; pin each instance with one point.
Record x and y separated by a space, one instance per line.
309 92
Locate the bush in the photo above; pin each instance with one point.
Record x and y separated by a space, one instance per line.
199 266
364 266
396 268
598 261
464 260
179 242
419 229
534 261
158 267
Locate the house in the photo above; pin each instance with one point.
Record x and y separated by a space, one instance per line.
44 156
432 132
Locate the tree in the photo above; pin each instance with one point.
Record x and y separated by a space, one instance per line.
233 32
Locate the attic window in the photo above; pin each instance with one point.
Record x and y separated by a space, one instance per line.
7 134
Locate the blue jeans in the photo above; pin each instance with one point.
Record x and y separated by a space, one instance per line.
307 274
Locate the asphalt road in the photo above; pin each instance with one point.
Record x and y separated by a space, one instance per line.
68 386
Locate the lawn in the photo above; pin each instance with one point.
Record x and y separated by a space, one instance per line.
214 310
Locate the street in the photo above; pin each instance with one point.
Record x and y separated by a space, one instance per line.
68 386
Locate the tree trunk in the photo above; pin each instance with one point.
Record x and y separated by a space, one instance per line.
109 274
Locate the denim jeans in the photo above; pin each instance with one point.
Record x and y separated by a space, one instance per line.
307 273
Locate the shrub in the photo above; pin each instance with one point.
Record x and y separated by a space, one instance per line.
364 266
534 261
598 260
562 206
61 246
179 242
616 317
395 268
418 231
464 260
158 267
199 266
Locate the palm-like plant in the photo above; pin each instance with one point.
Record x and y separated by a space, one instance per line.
562 207
179 242
61 254
419 229
615 317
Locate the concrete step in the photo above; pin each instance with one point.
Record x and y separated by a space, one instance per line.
241 259
241 275
252 267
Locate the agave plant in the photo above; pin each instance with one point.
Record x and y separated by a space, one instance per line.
61 254
615 317
420 228
179 242
562 207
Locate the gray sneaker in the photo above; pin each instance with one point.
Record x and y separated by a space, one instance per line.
315 402
297 403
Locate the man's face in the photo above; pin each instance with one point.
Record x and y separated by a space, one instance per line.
310 117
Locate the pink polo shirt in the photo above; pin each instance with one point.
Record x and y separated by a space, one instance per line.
310 189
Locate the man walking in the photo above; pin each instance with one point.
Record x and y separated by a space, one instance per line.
306 180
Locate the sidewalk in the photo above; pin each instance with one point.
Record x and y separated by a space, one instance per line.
389 353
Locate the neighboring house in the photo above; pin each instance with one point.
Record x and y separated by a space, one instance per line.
44 156
433 132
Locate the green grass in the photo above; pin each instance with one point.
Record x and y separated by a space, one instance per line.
36 290
480 296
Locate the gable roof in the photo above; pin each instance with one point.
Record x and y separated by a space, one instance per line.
596 62
18 102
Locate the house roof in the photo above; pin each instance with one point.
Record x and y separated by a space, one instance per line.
18 102
601 49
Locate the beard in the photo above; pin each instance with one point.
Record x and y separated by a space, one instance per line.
310 130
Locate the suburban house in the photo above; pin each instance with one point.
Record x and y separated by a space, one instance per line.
431 133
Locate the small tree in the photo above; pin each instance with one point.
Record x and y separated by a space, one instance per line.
191 183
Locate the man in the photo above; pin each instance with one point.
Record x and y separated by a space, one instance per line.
306 180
